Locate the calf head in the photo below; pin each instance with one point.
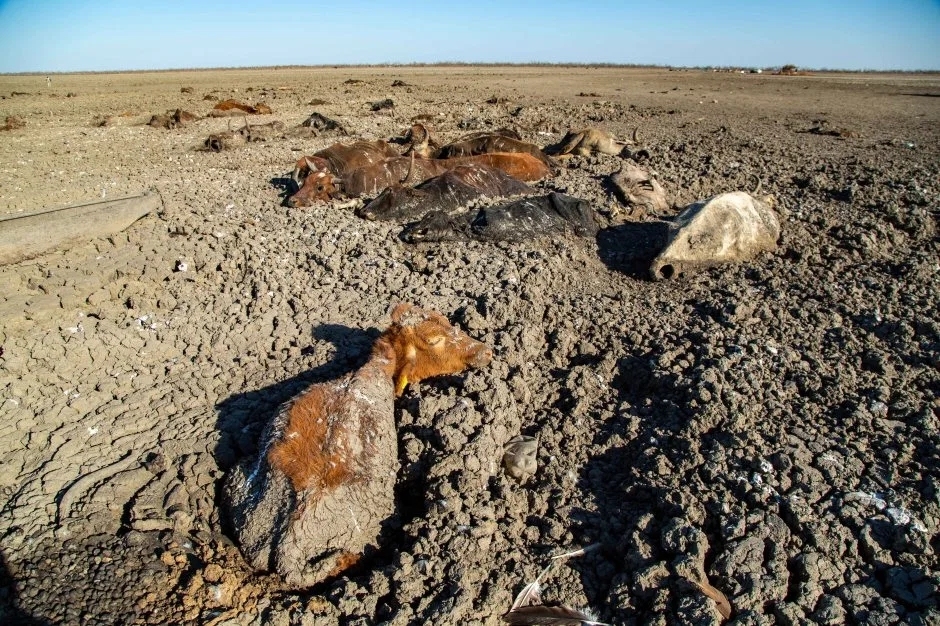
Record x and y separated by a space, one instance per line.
437 226
420 141
426 345
640 191
316 183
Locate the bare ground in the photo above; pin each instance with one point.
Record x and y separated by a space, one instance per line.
772 426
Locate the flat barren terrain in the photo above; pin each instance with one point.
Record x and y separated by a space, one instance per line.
770 427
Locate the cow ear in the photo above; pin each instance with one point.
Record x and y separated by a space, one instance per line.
399 312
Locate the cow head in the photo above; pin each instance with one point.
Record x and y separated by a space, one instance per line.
315 181
426 345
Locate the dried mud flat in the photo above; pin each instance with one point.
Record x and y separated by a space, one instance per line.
772 425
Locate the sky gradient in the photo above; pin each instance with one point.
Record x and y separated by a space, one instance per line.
102 35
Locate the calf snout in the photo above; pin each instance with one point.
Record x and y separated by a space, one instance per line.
480 355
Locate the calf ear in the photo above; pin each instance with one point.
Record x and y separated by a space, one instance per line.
404 373
400 310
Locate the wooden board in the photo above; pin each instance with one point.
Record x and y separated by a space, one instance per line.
27 235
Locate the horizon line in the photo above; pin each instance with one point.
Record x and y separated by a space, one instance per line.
561 64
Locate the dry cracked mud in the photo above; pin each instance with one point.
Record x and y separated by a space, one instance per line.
771 425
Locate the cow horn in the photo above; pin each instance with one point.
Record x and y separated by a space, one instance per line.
757 188
636 135
411 166
310 164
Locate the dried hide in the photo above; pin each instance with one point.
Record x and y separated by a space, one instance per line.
587 142
727 228
175 119
520 220
12 123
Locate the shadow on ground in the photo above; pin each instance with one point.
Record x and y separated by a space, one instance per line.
242 417
630 248
10 614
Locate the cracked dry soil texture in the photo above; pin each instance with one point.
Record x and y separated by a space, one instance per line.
772 425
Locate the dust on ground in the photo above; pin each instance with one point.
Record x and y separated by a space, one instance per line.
772 425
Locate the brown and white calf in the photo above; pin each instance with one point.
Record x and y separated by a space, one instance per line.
323 483
322 184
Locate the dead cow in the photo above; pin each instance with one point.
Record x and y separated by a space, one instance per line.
554 214
488 143
324 481
420 142
726 228
228 140
322 185
587 142
12 123
175 119
447 192
318 122
339 159
231 107
644 196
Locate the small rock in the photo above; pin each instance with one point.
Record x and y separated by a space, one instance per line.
519 457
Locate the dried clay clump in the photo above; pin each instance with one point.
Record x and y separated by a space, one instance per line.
728 228
317 494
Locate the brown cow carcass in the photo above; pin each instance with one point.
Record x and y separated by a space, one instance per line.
317 494
230 107
173 119
490 143
449 191
325 180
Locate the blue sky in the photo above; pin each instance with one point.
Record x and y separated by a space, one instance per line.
54 35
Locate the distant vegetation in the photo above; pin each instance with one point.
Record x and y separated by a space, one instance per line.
788 69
